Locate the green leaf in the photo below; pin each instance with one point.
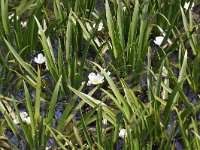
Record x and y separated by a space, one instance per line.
111 29
78 136
53 103
182 75
8 119
37 97
120 24
195 72
20 60
93 103
4 14
87 136
48 51
67 110
24 127
126 108
30 109
187 30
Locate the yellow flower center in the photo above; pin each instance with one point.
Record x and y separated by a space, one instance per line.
96 81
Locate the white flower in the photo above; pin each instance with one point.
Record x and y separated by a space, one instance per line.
108 72
23 24
124 8
100 26
95 79
105 121
122 133
28 120
158 41
10 16
164 72
40 59
24 117
16 121
23 114
186 5
47 148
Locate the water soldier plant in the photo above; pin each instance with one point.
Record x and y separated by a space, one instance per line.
99 74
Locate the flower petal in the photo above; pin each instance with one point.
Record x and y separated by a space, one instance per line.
40 59
27 120
122 133
92 75
16 121
100 77
158 41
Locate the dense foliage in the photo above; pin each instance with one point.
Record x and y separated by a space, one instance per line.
94 74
